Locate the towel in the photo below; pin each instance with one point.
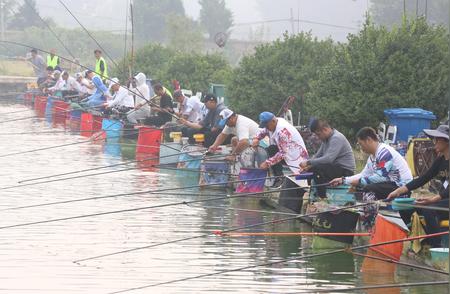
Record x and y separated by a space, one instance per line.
417 229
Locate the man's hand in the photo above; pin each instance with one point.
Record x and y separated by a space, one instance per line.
157 109
231 158
304 165
138 106
355 182
423 201
212 149
336 182
183 121
264 165
255 143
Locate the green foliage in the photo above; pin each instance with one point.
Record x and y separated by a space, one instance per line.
390 12
150 18
194 71
277 70
379 69
215 17
26 16
184 34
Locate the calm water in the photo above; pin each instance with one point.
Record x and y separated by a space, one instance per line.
39 258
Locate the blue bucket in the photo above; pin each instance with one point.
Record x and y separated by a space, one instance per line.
214 172
112 128
402 201
49 109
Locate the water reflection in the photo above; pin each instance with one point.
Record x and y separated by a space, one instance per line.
38 259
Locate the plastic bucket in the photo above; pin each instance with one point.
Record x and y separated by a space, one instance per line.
249 184
176 136
149 140
439 258
112 128
60 109
214 173
90 124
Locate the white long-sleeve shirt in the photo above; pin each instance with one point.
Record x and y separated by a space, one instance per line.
121 98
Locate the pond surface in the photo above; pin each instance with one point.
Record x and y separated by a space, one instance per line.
39 258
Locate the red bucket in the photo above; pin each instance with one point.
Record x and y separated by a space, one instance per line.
90 124
60 110
28 98
149 140
40 102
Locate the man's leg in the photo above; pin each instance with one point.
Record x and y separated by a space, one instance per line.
210 137
432 219
324 173
381 190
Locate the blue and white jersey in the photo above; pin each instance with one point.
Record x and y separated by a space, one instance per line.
386 166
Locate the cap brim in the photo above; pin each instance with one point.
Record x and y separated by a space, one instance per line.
222 122
435 134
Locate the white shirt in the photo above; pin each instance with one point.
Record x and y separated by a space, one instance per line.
289 142
70 84
192 108
121 98
58 86
245 128
85 82
386 166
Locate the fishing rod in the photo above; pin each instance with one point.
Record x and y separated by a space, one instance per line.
86 30
87 68
129 210
296 258
373 287
85 176
135 193
289 234
103 167
49 27
390 260
282 220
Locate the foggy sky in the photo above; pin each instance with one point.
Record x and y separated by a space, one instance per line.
110 15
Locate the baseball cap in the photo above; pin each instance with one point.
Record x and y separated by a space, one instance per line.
177 94
264 118
210 97
225 114
441 132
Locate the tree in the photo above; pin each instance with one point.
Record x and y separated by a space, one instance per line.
26 16
390 12
194 71
215 17
184 34
286 67
407 66
150 18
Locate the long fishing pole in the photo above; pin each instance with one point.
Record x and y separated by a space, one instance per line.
143 192
87 68
103 167
390 260
50 29
373 287
83 176
87 32
129 210
297 258
282 220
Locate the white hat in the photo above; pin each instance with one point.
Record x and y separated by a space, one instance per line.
113 81
225 114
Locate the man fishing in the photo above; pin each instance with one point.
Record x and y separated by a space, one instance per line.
385 171
164 110
209 125
286 145
190 108
141 94
439 170
333 159
121 100
242 128
97 99
101 67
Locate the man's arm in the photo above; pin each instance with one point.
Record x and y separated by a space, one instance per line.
331 153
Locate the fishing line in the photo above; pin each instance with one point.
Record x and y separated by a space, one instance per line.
299 216
296 258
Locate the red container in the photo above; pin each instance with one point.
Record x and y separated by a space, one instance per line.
90 124
28 98
40 102
149 140
60 110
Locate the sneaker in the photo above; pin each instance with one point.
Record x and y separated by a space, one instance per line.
278 183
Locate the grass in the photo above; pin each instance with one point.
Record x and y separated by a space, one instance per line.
16 68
